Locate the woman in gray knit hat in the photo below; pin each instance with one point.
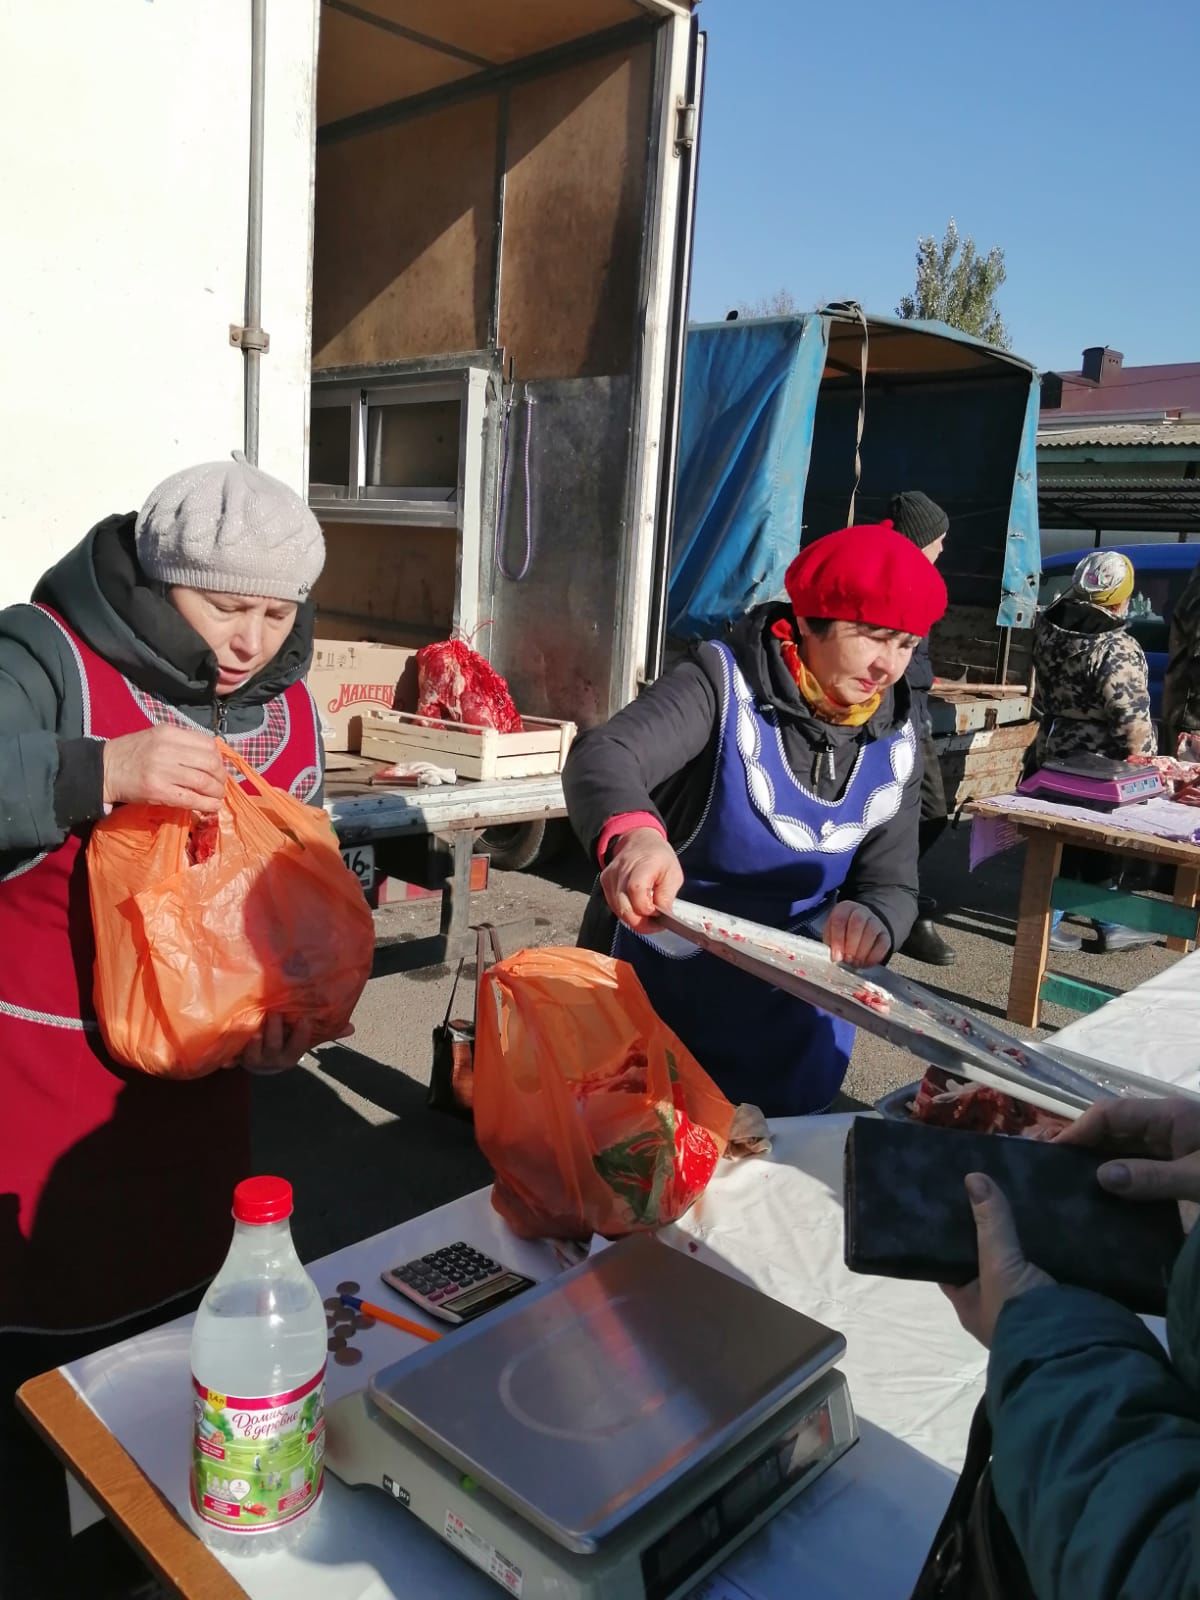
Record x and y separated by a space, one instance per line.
160 629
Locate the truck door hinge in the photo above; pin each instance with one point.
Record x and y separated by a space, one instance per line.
685 127
249 338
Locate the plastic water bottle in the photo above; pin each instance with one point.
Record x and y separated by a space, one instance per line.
258 1385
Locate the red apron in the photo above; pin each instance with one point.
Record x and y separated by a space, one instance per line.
115 1187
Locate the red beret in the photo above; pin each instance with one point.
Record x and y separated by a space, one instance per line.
867 574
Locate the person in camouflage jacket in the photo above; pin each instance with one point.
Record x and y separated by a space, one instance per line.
1181 686
1093 693
1092 678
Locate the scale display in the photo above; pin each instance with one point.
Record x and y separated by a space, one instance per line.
758 1489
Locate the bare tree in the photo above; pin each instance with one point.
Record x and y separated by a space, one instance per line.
957 285
782 303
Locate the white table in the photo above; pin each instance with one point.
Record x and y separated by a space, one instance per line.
1154 1028
860 1532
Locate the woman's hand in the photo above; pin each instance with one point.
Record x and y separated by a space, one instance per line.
1162 1137
280 1046
642 879
1004 1273
164 766
856 935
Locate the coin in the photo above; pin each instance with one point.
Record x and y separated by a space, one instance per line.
350 1356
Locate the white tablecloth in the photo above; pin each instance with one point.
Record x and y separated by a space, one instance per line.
1154 1028
861 1530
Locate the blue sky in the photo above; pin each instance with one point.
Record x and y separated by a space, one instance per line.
1064 132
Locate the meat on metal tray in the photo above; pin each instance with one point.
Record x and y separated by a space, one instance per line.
884 1003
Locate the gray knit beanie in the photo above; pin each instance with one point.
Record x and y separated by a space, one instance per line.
227 527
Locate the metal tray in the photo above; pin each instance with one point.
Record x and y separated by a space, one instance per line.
894 1008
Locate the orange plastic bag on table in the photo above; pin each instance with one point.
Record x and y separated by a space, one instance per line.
205 928
594 1116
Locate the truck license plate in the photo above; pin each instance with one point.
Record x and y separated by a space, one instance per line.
361 861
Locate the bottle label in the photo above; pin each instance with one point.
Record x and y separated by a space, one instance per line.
257 1463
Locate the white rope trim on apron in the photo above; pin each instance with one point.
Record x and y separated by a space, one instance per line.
84 687
47 1019
881 804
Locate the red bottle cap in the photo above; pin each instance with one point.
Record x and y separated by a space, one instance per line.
262 1200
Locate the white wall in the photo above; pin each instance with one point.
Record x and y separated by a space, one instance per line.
125 127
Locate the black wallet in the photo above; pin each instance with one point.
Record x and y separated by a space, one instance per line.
907 1214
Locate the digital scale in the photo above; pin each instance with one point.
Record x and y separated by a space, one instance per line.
1095 781
610 1435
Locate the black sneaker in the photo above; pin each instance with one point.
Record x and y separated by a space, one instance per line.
926 944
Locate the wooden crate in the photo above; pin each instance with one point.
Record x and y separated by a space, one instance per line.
473 752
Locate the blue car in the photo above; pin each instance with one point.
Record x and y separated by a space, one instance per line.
1161 571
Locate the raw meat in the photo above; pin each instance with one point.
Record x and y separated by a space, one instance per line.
948 1102
874 998
1182 778
202 840
455 684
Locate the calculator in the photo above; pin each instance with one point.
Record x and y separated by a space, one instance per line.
457 1283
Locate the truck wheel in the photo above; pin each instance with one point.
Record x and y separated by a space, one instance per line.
513 847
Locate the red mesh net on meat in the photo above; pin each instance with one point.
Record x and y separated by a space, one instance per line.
455 684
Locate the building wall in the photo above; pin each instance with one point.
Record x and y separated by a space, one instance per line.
124 255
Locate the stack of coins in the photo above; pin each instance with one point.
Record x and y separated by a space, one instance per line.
343 1322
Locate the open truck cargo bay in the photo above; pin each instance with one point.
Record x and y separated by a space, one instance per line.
771 416
502 223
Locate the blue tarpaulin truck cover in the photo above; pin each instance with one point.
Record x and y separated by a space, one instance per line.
767 456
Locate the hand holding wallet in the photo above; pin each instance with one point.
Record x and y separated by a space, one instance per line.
907 1214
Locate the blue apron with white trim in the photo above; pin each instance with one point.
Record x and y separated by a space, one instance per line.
768 849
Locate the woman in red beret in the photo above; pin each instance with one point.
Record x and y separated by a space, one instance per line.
771 775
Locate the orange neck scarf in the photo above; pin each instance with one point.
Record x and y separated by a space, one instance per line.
825 709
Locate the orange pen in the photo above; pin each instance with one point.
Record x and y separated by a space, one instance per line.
382 1314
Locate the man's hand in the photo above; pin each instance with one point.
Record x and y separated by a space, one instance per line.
642 879
1004 1273
856 935
164 766
1162 1137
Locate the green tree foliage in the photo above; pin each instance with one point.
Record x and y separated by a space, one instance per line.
958 285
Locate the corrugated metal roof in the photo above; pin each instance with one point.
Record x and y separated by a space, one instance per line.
1127 434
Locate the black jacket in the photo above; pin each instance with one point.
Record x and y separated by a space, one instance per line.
658 754
51 777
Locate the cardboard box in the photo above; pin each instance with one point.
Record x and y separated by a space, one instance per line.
351 677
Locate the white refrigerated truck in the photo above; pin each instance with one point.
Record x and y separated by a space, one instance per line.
427 262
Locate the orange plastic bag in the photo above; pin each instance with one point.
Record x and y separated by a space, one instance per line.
594 1115
192 958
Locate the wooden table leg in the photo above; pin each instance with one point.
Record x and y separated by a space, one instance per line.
1187 892
1043 853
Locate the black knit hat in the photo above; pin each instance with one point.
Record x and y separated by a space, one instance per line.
918 517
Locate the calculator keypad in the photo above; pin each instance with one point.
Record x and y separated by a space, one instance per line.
447 1272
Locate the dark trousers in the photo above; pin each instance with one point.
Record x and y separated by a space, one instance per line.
934 814
38 1558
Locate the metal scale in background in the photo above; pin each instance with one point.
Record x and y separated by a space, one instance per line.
611 1435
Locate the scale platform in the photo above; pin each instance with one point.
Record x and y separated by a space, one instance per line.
611 1435
1094 780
